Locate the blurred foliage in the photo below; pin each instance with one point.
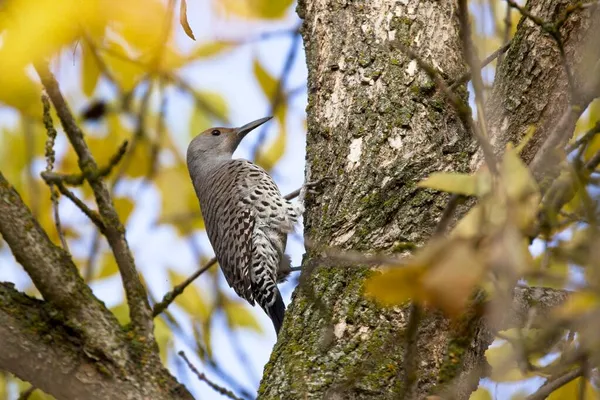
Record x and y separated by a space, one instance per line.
131 50
489 249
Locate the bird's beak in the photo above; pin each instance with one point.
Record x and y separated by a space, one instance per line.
244 130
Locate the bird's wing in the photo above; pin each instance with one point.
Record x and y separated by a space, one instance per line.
238 259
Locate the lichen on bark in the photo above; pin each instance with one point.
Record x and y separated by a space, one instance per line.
378 126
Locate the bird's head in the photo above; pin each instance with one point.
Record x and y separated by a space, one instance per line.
220 142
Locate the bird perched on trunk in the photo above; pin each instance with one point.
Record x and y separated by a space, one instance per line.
246 218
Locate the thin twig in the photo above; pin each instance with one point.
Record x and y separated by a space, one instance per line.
26 393
219 389
462 109
91 214
409 363
507 29
169 297
454 201
177 290
78 179
137 298
50 160
554 383
585 139
470 54
464 78
29 156
279 96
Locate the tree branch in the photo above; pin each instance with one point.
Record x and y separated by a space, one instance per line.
140 312
36 347
56 277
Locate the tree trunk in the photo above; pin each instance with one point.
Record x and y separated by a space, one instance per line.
378 126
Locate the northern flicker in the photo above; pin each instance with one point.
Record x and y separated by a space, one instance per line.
246 218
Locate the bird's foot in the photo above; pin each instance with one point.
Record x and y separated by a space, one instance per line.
312 187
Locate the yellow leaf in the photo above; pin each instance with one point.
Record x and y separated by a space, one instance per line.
141 23
183 19
570 391
249 9
268 157
396 285
108 267
210 49
121 312
36 395
452 182
3 386
518 180
267 82
449 282
117 59
163 335
90 71
547 263
239 315
124 206
37 29
526 138
503 361
179 199
199 122
481 394
202 336
20 92
214 104
578 303
190 300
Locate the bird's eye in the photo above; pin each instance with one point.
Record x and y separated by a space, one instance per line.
215 132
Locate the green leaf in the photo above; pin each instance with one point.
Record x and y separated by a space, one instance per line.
183 20
239 315
267 82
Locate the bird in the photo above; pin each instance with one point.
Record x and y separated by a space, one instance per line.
247 220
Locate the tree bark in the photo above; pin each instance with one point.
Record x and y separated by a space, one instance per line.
378 126
70 345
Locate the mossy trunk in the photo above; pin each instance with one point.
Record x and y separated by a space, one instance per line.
377 125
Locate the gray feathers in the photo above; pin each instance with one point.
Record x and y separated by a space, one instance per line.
247 221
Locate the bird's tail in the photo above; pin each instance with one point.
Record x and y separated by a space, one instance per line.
276 312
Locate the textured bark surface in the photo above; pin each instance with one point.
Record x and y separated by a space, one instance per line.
70 345
38 347
377 125
531 87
